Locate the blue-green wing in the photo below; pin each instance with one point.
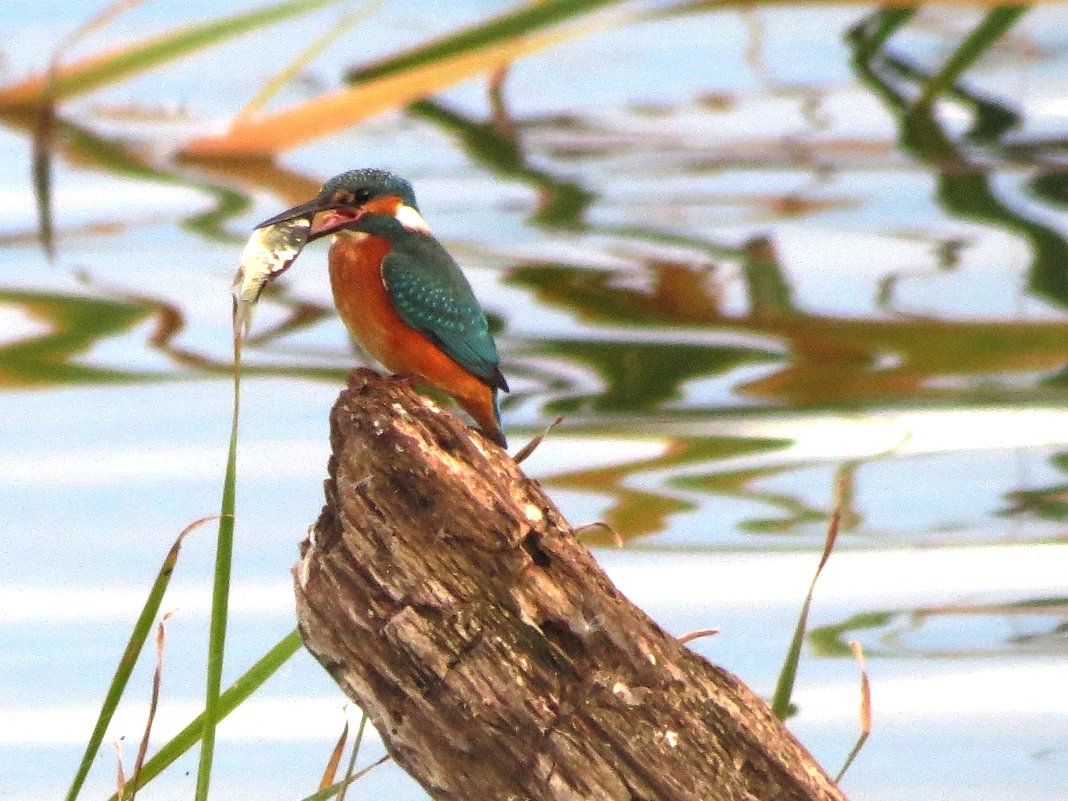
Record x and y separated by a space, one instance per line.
431 295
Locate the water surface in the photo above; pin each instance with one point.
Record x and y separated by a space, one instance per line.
738 265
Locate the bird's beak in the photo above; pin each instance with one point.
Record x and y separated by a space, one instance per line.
306 210
324 218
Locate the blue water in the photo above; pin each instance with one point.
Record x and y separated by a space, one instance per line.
765 294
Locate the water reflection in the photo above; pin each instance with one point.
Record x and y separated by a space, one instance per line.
495 144
740 293
1048 503
82 148
964 185
73 326
699 320
834 360
1031 627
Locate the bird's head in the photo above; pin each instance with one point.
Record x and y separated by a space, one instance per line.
351 196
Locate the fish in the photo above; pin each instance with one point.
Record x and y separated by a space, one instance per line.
269 252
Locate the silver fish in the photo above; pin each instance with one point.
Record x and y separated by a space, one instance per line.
267 254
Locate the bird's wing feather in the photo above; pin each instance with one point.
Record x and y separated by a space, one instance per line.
431 295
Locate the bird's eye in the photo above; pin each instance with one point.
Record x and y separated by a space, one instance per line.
345 197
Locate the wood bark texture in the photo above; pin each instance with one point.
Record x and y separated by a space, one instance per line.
447 596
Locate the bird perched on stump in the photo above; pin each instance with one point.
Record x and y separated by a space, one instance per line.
401 294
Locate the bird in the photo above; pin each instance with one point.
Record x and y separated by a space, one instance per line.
399 292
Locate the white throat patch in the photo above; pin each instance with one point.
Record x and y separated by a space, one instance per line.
411 219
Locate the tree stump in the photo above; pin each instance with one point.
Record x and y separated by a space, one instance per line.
447 596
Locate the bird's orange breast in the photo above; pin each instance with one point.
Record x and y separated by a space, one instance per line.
365 308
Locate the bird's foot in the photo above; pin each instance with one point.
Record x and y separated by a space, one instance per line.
408 379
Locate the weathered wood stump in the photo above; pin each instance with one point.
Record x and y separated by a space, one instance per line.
444 592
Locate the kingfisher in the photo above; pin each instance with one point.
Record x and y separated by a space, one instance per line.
399 292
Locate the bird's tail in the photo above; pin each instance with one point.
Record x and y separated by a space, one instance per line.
485 406
498 434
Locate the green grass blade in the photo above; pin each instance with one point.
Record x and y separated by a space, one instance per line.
129 657
350 770
220 595
329 792
784 688
235 695
108 68
857 746
526 19
865 710
993 26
